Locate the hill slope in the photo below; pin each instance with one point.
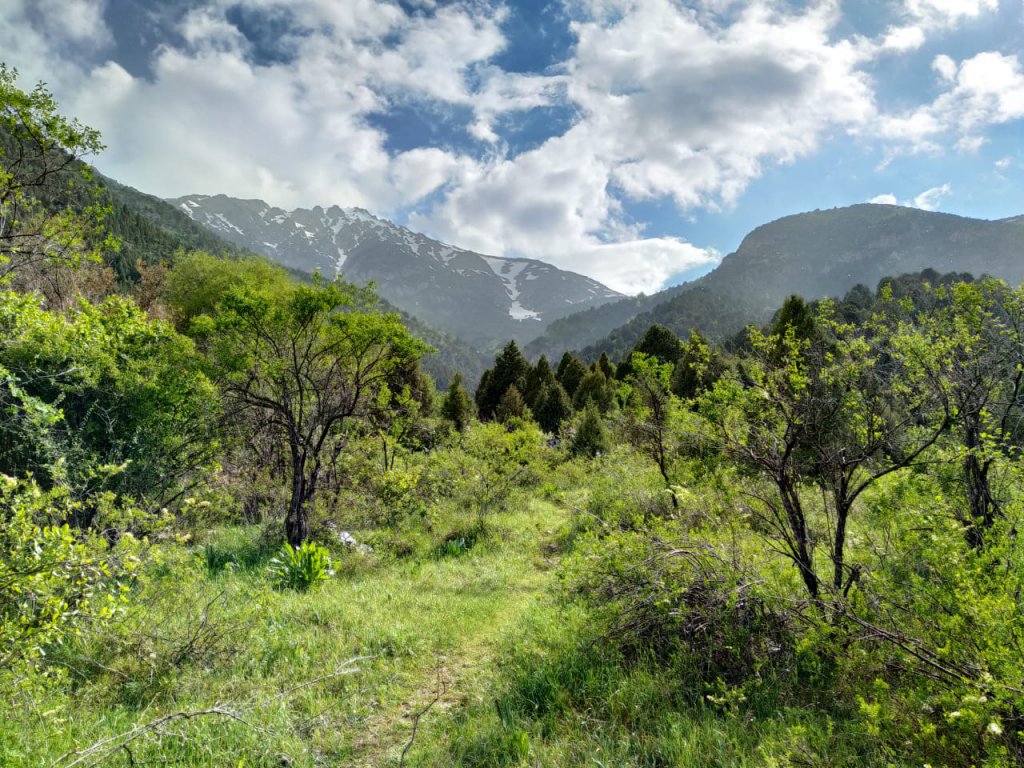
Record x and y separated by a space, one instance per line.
483 299
825 253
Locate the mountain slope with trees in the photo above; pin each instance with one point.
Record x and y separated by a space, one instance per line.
817 254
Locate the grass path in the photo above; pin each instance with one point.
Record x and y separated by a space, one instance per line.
463 665
268 654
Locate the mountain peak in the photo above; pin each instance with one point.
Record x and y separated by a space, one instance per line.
484 299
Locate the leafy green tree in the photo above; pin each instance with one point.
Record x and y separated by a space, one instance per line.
310 361
553 408
698 369
650 412
197 281
40 153
591 438
571 371
102 398
836 411
457 407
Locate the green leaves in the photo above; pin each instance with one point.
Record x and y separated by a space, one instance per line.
302 567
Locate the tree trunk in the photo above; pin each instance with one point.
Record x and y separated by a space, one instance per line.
801 551
296 522
980 502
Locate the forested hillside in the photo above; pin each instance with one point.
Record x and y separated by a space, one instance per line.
239 525
816 254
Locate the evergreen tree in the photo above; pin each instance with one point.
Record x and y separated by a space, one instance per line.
591 438
594 389
661 343
571 372
553 407
482 391
457 407
606 366
539 376
510 369
512 406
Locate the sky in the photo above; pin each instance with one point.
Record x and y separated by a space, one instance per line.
634 141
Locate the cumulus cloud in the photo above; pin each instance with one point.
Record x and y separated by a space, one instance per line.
687 102
984 90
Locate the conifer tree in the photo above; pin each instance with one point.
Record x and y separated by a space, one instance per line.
571 372
510 369
457 407
591 438
661 343
594 389
512 406
539 376
606 366
553 408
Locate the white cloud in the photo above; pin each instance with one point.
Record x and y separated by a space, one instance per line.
928 200
1003 163
984 90
687 101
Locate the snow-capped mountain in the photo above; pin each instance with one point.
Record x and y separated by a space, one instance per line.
479 298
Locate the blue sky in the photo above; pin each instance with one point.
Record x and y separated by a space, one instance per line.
635 141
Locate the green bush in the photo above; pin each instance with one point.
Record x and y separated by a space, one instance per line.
301 567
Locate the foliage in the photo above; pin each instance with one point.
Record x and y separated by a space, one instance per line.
457 406
102 398
591 438
309 361
53 581
510 370
39 150
300 567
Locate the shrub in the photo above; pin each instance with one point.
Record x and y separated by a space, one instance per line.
300 567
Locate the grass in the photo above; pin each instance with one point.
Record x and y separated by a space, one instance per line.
209 635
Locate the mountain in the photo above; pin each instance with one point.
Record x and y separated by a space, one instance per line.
826 253
482 299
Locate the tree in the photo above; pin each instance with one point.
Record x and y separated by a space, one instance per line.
698 368
310 361
457 407
539 376
571 372
40 159
553 408
102 399
661 343
510 369
512 406
593 389
606 366
651 411
591 438
836 411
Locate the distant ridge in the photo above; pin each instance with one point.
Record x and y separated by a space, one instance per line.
485 300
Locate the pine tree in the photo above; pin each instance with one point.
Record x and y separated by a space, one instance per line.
591 438
606 366
457 407
661 343
553 407
594 389
512 406
571 372
538 377
510 369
